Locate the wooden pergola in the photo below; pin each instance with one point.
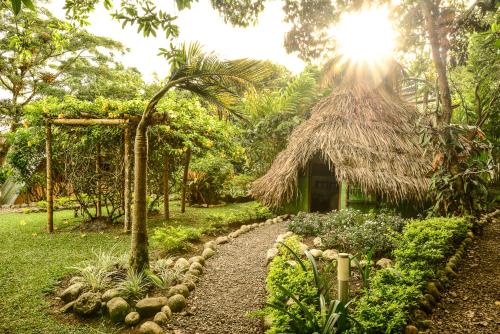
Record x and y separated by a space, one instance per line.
127 121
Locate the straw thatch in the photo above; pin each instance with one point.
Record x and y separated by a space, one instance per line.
367 135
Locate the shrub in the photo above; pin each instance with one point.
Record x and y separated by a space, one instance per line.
133 286
237 187
95 278
394 293
174 239
350 230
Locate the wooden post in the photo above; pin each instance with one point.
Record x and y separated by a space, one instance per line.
98 210
343 270
166 207
347 193
184 180
50 195
126 191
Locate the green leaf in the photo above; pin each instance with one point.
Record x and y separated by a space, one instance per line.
16 6
29 4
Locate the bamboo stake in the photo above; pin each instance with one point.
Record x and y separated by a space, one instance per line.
343 277
98 209
50 195
184 180
127 191
166 207
88 121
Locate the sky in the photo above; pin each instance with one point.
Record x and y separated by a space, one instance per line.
200 23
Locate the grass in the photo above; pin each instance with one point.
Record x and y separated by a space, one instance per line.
32 262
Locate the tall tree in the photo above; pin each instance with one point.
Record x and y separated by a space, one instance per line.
219 82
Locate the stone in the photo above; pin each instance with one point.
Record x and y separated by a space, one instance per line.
198 259
410 329
235 234
221 240
181 264
330 254
194 272
316 253
168 312
132 319
150 327
75 279
117 309
72 292
385 263
179 289
177 303
317 242
303 247
280 238
147 307
433 290
208 253
189 283
161 318
271 253
210 244
189 276
196 266
87 304
110 294
67 308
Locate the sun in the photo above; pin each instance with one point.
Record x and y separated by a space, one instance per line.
366 36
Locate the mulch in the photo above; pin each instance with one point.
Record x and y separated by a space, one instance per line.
472 305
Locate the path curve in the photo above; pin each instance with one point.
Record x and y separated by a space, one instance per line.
472 305
233 284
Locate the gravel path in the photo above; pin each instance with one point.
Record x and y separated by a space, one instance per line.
472 305
232 285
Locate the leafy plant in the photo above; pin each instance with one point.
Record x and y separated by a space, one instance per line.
333 316
364 267
134 285
164 278
173 239
95 278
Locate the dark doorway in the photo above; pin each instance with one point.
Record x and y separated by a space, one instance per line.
324 188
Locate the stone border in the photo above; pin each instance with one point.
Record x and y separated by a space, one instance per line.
436 287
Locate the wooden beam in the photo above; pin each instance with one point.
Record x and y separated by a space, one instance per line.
50 194
127 184
89 121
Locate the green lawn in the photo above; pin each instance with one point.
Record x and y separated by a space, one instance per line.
32 262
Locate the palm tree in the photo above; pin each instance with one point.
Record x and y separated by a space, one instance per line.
219 82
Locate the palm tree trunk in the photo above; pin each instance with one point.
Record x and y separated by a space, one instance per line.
184 180
166 207
139 257
429 10
126 191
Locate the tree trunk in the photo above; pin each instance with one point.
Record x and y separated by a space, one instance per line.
98 210
50 194
166 207
184 180
126 191
139 257
430 11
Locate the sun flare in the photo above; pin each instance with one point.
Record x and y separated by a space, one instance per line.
366 36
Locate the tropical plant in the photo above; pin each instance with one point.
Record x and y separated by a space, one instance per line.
364 267
134 285
220 83
333 314
95 278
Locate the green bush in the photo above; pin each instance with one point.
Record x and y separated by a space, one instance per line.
394 293
175 239
285 271
350 230
237 187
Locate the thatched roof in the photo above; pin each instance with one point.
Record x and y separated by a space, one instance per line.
367 135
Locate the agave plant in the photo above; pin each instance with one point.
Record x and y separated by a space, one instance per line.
334 317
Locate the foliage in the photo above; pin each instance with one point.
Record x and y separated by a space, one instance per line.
463 167
364 267
174 239
317 313
395 292
133 286
237 187
350 230
206 179
95 278
163 277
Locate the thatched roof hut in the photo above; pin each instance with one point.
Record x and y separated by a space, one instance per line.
366 136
